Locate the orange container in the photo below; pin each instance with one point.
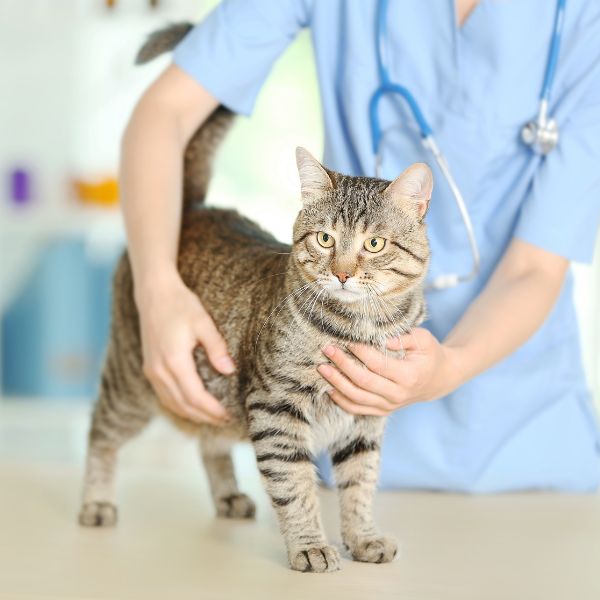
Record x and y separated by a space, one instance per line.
103 193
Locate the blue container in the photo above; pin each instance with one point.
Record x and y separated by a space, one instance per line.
55 332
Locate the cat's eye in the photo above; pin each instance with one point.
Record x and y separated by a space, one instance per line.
375 244
325 239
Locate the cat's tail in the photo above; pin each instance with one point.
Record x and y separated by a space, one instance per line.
203 145
161 41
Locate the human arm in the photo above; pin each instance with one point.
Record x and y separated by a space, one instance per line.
512 306
227 56
557 221
172 319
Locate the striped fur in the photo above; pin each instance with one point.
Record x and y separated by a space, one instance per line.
161 41
274 306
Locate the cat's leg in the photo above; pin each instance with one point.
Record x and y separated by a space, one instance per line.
280 434
356 466
115 421
229 501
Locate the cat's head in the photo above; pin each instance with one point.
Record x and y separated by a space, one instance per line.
359 236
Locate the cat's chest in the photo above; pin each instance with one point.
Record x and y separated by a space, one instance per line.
329 424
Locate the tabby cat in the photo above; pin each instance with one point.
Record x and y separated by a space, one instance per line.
354 273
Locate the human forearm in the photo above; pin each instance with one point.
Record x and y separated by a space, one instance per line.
151 183
172 320
151 175
513 305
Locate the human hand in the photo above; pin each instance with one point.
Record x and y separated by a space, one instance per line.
380 384
173 322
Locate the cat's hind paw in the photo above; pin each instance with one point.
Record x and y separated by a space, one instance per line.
381 549
98 514
236 506
322 559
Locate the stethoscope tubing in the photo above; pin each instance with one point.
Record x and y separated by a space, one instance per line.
387 86
559 22
442 282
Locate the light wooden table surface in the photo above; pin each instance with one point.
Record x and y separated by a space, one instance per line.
169 546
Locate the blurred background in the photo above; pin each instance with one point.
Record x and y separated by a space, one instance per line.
68 87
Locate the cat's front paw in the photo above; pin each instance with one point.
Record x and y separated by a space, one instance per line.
98 514
380 549
316 559
236 506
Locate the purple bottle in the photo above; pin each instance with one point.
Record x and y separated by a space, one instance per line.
20 186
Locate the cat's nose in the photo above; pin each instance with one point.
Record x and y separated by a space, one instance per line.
343 277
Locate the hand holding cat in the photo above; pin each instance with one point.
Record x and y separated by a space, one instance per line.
173 322
380 384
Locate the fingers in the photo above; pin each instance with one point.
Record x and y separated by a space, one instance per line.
191 388
357 373
356 409
418 339
171 329
351 391
167 396
375 360
215 346
180 390
171 398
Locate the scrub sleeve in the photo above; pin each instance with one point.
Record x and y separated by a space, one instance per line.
231 52
561 211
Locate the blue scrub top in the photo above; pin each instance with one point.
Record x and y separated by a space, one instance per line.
528 422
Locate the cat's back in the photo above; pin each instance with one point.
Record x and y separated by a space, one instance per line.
225 230
224 258
219 244
229 261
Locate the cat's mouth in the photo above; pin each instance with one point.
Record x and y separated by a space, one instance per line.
348 291
345 294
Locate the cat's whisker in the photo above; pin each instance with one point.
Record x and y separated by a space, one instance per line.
310 291
407 330
307 302
375 300
385 306
382 311
296 291
312 297
364 306
301 292
369 307
314 303
395 308
268 276
381 307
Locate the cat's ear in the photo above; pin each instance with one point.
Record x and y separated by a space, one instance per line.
413 188
314 179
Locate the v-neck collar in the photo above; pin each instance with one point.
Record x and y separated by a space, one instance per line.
466 23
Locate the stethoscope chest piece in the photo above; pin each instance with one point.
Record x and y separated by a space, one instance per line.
541 137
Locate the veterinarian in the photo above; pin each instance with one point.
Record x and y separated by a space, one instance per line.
491 395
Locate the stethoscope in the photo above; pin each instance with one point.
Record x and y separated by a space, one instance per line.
540 134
